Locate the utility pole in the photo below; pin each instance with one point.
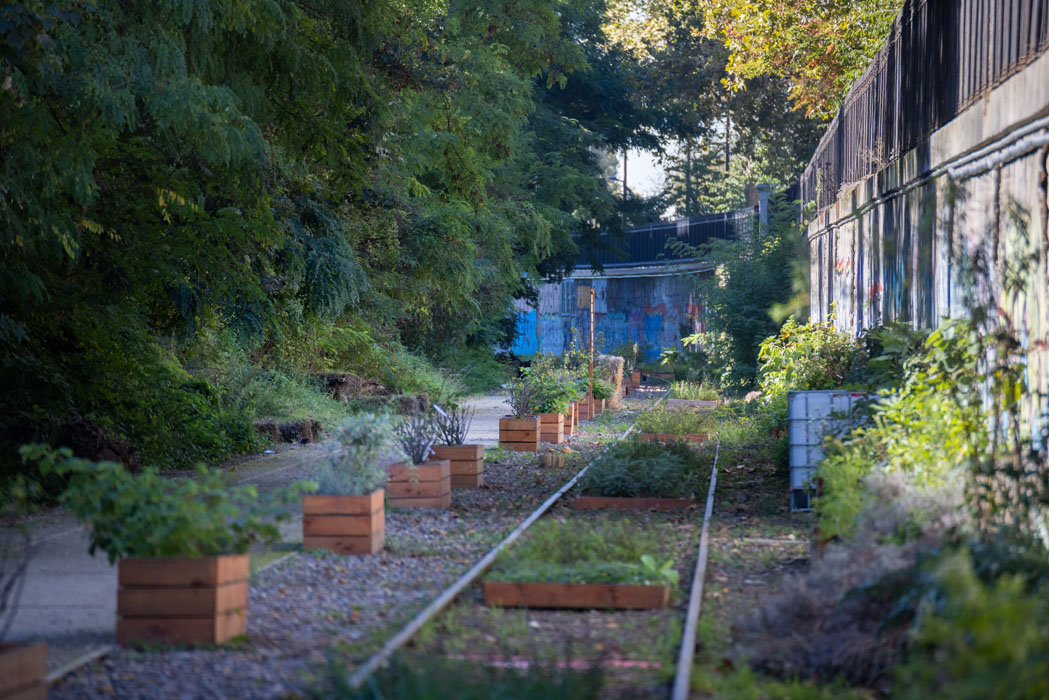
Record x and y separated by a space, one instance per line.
624 173
590 393
538 322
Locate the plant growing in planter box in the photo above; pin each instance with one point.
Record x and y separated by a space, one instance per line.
419 482
583 564
555 391
23 667
467 461
181 546
347 514
520 431
646 475
668 424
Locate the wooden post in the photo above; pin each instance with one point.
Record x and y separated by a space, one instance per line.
590 393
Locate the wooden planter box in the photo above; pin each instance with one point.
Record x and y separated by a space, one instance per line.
182 600
552 428
23 671
599 406
570 420
640 503
427 485
581 410
695 404
674 437
635 378
344 524
467 464
520 434
576 595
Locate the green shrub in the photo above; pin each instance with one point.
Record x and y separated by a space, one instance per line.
428 678
978 639
586 551
676 421
353 467
745 684
603 389
147 515
801 357
639 468
695 391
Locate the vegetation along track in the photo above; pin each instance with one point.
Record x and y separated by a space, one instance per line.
633 648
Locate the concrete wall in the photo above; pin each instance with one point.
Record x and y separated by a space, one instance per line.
901 244
655 306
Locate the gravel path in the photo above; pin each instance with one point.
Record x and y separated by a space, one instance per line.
308 607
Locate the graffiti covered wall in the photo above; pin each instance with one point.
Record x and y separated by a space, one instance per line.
653 310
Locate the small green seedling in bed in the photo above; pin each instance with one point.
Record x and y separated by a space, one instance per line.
636 468
581 551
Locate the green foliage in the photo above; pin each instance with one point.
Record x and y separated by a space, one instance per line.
676 421
592 551
147 515
745 684
603 389
637 468
696 391
800 357
428 678
353 468
978 639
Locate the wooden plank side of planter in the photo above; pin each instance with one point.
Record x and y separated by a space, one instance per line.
319 504
467 481
518 435
520 446
459 453
34 691
22 670
467 468
182 602
418 489
371 543
673 437
434 470
183 571
593 502
439 503
554 438
531 423
576 595
185 630
327 525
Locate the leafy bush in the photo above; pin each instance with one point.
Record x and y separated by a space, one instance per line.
428 678
811 356
676 421
353 467
639 468
978 639
586 551
695 391
603 389
146 515
523 397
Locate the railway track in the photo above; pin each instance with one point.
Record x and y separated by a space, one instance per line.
439 604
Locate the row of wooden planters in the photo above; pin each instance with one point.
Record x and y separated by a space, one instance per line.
204 600
525 434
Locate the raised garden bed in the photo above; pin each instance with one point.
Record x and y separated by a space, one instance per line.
637 475
467 464
427 485
344 524
519 434
632 503
695 404
182 600
552 428
571 418
581 564
23 669
576 595
675 437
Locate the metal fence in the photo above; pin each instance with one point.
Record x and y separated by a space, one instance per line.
940 57
649 244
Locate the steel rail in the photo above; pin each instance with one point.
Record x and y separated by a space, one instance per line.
448 595
683 674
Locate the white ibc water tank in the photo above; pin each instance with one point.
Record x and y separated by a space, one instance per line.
812 416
